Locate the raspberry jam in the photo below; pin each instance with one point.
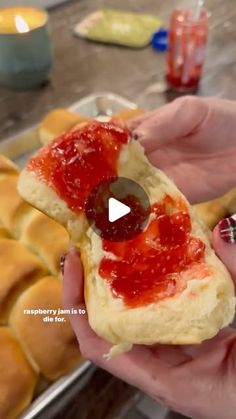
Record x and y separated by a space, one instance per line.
75 163
151 266
125 227
156 263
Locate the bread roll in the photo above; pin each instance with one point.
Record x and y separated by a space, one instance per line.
202 299
57 122
3 232
213 211
14 211
39 233
51 345
19 269
46 238
17 377
126 114
7 166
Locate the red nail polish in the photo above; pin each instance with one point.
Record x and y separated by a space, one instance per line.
62 263
227 228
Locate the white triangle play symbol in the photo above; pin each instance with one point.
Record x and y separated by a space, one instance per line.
116 209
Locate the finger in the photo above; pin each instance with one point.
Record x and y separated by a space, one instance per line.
135 122
73 298
176 120
73 295
139 367
131 366
224 241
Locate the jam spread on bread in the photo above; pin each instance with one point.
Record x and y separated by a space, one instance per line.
76 162
149 267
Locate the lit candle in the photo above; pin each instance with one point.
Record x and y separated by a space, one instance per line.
21 25
25 47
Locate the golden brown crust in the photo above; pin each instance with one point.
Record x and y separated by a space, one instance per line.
48 239
57 122
17 378
19 269
41 234
52 345
13 209
213 211
127 114
7 166
3 232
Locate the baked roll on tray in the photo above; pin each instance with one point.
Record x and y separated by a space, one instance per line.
34 351
17 377
47 339
19 269
59 121
43 236
31 352
166 285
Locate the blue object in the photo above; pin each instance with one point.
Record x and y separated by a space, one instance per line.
160 40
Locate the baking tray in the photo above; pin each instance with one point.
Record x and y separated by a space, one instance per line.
19 148
100 106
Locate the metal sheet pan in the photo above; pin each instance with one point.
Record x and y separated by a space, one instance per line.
19 148
99 106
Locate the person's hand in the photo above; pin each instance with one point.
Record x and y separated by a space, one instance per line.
196 380
194 141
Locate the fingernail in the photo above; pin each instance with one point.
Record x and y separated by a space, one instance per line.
62 263
227 229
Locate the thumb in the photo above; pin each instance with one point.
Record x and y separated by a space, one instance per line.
224 242
176 120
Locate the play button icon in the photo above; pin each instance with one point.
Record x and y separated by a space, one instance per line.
117 209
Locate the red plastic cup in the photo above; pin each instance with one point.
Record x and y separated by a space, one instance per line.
186 50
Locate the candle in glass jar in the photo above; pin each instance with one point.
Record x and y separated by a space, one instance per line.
25 47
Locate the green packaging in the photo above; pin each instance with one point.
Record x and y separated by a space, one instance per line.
118 27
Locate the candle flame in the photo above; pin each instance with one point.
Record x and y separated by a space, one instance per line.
21 25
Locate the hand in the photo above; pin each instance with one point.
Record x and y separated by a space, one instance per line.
195 380
194 141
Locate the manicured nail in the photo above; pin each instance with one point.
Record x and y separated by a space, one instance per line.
227 228
62 263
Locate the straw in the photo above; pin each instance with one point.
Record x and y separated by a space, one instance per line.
197 9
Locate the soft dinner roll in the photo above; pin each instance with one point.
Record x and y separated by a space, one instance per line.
17 378
3 232
127 114
19 269
57 122
52 345
189 294
7 166
212 212
39 233
48 239
13 210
